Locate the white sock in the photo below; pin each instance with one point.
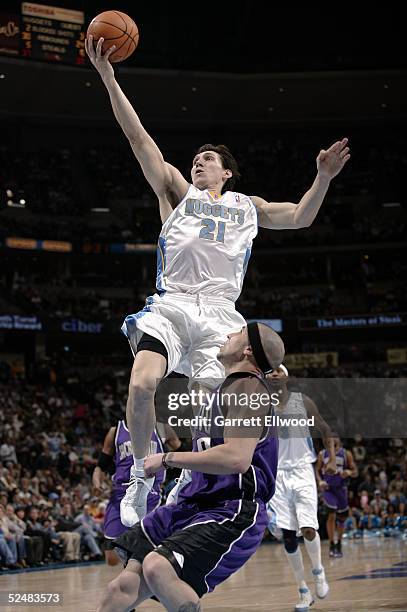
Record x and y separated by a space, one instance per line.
297 566
314 551
139 465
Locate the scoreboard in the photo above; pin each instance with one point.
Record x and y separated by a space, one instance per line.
43 32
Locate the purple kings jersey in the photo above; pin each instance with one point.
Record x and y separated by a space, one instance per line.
335 480
123 457
258 483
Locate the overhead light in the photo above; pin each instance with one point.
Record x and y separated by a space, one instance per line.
391 204
99 209
2 76
22 202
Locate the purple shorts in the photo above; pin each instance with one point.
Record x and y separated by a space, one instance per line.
204 545
336 498
112 525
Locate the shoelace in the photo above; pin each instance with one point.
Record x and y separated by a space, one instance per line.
133 479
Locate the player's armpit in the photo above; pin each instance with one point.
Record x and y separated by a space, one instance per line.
178 186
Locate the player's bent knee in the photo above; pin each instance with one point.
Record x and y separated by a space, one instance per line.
341 518
290 540
308 533
154 565
143 383
143 389
114 588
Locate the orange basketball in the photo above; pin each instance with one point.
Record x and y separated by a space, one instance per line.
117 29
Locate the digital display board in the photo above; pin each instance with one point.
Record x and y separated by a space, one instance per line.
353 321
46 33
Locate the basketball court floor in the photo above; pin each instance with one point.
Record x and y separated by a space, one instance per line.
371 577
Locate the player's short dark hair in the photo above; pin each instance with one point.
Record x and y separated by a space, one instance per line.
228 163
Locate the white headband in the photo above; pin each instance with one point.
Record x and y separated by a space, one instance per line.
283 368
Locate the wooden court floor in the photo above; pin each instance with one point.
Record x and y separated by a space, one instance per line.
371 577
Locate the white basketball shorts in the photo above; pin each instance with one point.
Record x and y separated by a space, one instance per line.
192 329
295 501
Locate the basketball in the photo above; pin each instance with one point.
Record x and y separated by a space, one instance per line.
117 29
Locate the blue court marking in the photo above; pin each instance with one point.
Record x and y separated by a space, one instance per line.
398 570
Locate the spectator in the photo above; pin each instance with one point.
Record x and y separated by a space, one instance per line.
10 541
35 528
66 522
359 450
396 495
8 451
378 504
16 527
367 485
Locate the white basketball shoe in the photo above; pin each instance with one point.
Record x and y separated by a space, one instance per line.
306 600
321 584
181 482
133 506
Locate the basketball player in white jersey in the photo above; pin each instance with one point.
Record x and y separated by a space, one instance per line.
203 252
295 501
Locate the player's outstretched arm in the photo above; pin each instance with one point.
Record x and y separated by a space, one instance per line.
325 431
166 181
352 469
240 436
105 462
318 471
287 215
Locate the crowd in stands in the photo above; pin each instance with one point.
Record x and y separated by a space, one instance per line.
290 290
378 496
47 512
61 186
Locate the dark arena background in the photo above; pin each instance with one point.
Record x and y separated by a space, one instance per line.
78 240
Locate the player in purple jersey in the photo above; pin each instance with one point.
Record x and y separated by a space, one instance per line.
335 492
116 459
181 551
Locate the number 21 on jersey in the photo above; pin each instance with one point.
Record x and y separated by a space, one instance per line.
209 230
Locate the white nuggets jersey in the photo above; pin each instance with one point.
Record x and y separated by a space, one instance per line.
296 448
205 244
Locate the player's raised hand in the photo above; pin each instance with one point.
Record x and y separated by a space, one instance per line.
331 162
100 60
